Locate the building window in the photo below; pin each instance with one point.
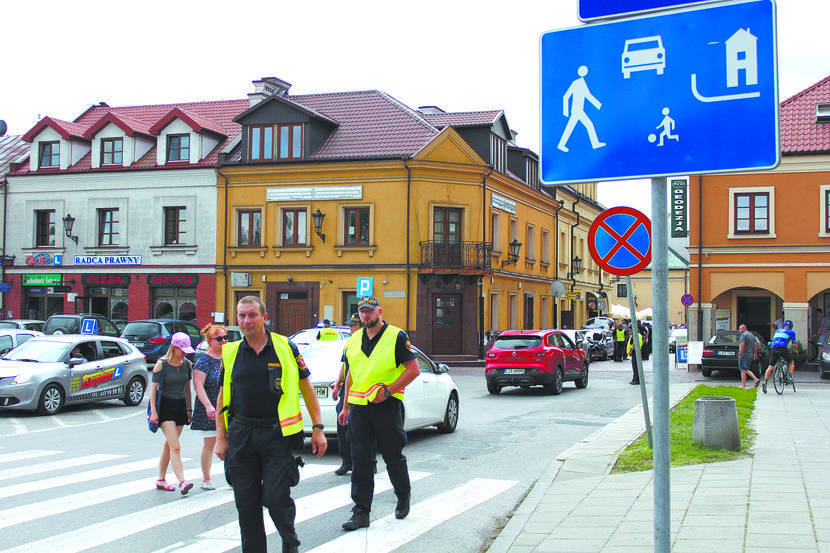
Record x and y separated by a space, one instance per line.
45 231
50 154
446 226
498 153
108 227
621 291
178 147
261 142
533 173
174 225
249 229
294 226
357 226
494 231
290 141
545 246
827 211
530 249
112 151
752 213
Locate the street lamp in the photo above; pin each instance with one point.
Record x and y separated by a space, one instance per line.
576 267
68 223
318 217
512 253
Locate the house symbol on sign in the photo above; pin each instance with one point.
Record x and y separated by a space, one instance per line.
741 53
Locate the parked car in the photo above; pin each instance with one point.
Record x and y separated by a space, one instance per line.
10 339
578 338
824 359
605 322
42 375
600 342
674 335
721 353
234 335
79 323
307 337
431 400
152 336
526 358
24 324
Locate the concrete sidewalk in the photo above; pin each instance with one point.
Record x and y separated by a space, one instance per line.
776 500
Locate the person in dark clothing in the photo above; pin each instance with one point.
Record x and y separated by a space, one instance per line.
260 421
380 364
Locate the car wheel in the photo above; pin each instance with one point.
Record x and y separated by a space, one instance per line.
59 331
582 381
555 387
493 389
134 393
706 372
450 416
51 400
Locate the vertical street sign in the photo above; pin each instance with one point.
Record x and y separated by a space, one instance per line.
679 209
686 92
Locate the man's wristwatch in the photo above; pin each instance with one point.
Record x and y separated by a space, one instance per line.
386 392
320 426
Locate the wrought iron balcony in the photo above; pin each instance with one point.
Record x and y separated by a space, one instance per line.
462 257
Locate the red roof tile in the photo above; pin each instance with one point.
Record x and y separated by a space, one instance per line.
63 128
129 125
196 121
463 119
800 132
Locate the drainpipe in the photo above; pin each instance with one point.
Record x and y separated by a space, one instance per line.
5 185
484 251
556 257
408 218
699 257
225 248
571 262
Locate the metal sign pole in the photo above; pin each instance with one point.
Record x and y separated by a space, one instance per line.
660 365
638 356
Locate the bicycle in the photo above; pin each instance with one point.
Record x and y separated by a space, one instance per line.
781 376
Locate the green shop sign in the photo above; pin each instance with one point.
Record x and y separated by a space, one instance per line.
42 280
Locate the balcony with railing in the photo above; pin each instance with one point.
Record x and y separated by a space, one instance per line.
460 257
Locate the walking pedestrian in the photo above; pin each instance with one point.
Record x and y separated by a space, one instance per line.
380 364
619 342
174 411
747 353
206 384
259 421
821 334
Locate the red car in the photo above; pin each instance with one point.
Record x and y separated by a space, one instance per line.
527 358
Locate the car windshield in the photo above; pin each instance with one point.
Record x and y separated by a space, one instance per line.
725 339
7 324
305 337
518 342
324 359
142 330
40 351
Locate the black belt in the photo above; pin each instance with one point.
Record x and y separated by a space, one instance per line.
257 423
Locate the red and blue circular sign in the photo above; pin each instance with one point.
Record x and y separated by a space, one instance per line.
687 300
620 241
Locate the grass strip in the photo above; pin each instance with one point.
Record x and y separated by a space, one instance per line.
684 450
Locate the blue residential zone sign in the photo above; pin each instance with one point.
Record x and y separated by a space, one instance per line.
687 92
597 9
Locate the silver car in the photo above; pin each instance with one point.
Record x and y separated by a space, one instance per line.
10 339
47 372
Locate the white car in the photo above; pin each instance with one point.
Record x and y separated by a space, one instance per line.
10 339
305 338
430 400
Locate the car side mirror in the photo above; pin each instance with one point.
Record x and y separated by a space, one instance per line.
443 368
76 361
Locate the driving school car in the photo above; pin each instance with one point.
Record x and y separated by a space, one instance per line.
42 374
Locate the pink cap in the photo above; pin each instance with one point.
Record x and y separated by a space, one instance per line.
182 341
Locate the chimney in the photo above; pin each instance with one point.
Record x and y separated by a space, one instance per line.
430 110
268 86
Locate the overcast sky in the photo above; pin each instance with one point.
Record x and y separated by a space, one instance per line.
460 55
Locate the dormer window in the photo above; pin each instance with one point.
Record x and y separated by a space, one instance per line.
290 144
261 142
178 147
50 154
112 150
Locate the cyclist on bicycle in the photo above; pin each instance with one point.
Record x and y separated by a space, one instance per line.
780 340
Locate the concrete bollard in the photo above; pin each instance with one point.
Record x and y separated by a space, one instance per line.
716 423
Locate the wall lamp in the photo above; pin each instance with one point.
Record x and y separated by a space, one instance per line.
68 223
512 253
576 267
318 217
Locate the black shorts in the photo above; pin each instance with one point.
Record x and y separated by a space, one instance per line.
780 353
173 410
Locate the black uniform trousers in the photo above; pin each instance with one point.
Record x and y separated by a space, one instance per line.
344 442
619 350
635 374
261 469
380 423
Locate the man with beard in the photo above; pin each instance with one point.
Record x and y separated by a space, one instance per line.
380 364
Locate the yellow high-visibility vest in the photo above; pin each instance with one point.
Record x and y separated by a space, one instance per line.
327 333
370 374
288 408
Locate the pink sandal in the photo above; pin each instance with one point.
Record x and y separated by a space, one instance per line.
184 486
164 486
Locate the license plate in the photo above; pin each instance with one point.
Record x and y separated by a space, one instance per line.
726 353
322 391
514 371
138 344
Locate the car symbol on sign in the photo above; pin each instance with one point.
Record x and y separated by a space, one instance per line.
643 54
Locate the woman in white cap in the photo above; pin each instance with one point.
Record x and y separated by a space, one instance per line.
174 411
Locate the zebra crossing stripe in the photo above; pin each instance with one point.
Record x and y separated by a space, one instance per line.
25 455
56 465
387 534
227 537
76 478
